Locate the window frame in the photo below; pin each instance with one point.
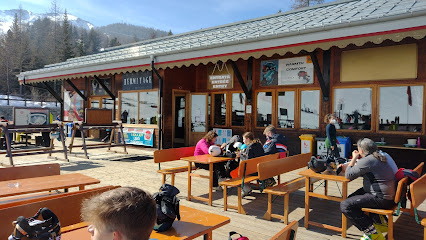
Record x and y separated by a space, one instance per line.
227 112
374 110
230 109
137 91
377 122
375 106
299 111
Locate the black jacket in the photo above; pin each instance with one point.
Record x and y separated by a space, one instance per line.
253 150
275 144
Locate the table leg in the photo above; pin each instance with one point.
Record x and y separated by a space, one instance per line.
207 236
189 180
211 184
307 190
344 220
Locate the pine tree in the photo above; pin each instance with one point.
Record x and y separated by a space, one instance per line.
94 42
169 33
54 35
114 42
305 3
67 46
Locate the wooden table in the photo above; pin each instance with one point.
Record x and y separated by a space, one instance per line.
204 159
193 223
47 183
327 176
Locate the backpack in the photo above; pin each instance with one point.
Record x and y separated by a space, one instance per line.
31 228
412 176
318 164
239 238
167 207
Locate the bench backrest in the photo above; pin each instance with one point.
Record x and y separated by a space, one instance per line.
418 191
274 168
419 168
172 154
288 232
252 163
31 171
401 189
66 207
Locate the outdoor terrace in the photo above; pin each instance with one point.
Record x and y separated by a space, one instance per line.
139 170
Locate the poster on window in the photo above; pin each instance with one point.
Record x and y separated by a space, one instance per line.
73 106
288 71
224 135
97 89
220 76
298 70
139 136
269 75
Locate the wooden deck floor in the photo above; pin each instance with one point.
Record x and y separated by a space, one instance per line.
138 169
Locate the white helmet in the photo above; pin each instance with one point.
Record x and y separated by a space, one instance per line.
215 150
237 145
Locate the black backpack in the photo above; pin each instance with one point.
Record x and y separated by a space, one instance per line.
31 228
167 207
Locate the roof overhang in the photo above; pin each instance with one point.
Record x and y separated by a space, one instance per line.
394 28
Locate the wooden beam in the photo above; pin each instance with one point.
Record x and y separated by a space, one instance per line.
52 91
76 89
240 80
104 87
324 88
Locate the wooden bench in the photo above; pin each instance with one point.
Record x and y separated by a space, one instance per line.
245 170
21 172
173 154
288 233
283 165
66 206
418 195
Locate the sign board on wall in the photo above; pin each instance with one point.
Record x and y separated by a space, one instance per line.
220 76
224 135
31 116
137 80
287 71
139 136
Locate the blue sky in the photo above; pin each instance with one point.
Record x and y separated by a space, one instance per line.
178 16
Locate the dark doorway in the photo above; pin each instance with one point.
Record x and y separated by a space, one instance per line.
180 104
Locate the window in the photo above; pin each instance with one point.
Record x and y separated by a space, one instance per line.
198 113
264 109
352 106
401 108
238 109
107 103
129 108
148 105
285 109
219 108
309 109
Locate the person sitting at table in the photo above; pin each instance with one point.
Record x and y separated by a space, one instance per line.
378 189
275 142
125 213
254 149
202 147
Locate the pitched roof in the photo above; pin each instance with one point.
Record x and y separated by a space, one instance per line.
335 24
